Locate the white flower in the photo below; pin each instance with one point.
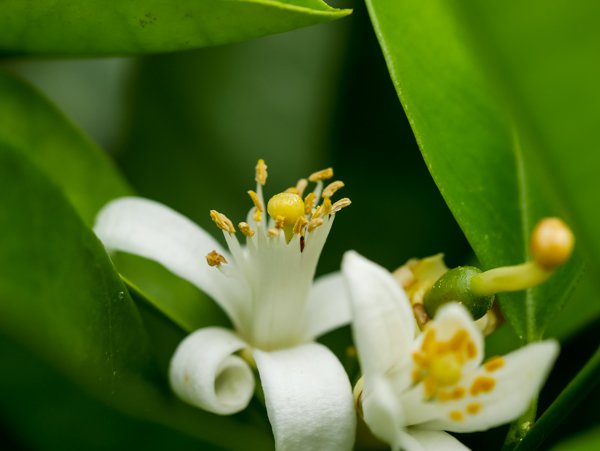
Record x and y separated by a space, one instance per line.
266 288
416 385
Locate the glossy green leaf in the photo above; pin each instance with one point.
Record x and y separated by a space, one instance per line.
139 27
34 126
472 147
547 70
63 302
89 179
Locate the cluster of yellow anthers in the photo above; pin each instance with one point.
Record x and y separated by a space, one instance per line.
438 365
290 213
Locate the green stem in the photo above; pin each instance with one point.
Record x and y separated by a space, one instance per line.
586 380
521 427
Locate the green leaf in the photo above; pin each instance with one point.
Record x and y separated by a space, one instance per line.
34 126
139 27
472 147
89 179
63 302
546 69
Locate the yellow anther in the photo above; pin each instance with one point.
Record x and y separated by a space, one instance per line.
551 243
215 259
324 209
292 189
255 200
446 369
332 188
338 205
279 222
314 223
323 174
299 226
287 205
301 186
458 393
246 229
456 415
309 202
494 364
258 208
473 408
273 232
222 221
261 172
482 384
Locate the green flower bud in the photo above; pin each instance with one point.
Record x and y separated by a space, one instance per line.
455 286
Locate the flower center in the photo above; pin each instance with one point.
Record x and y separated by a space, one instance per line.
439 363
271 275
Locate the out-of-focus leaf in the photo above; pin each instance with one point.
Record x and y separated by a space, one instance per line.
45 411
472 148
89 179
61 300
588 441
139 27
200 120
35 127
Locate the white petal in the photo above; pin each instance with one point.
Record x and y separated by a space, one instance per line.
382 412
450 319
204 373
151 230
383 322
309 398
422 440
328 306
515 384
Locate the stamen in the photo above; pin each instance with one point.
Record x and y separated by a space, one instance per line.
301 186
291 189
299 226
314 223
473 408
246 229
258 208
261 172
309 202
222 221
456 415
483 384
323 174
342 203
494 364
215 259
324 209
332 188
273 232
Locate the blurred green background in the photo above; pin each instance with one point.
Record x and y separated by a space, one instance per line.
187 128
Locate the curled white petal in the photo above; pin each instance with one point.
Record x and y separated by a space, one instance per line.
328 306
309 398
514 385
383 323
151 230
204 373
